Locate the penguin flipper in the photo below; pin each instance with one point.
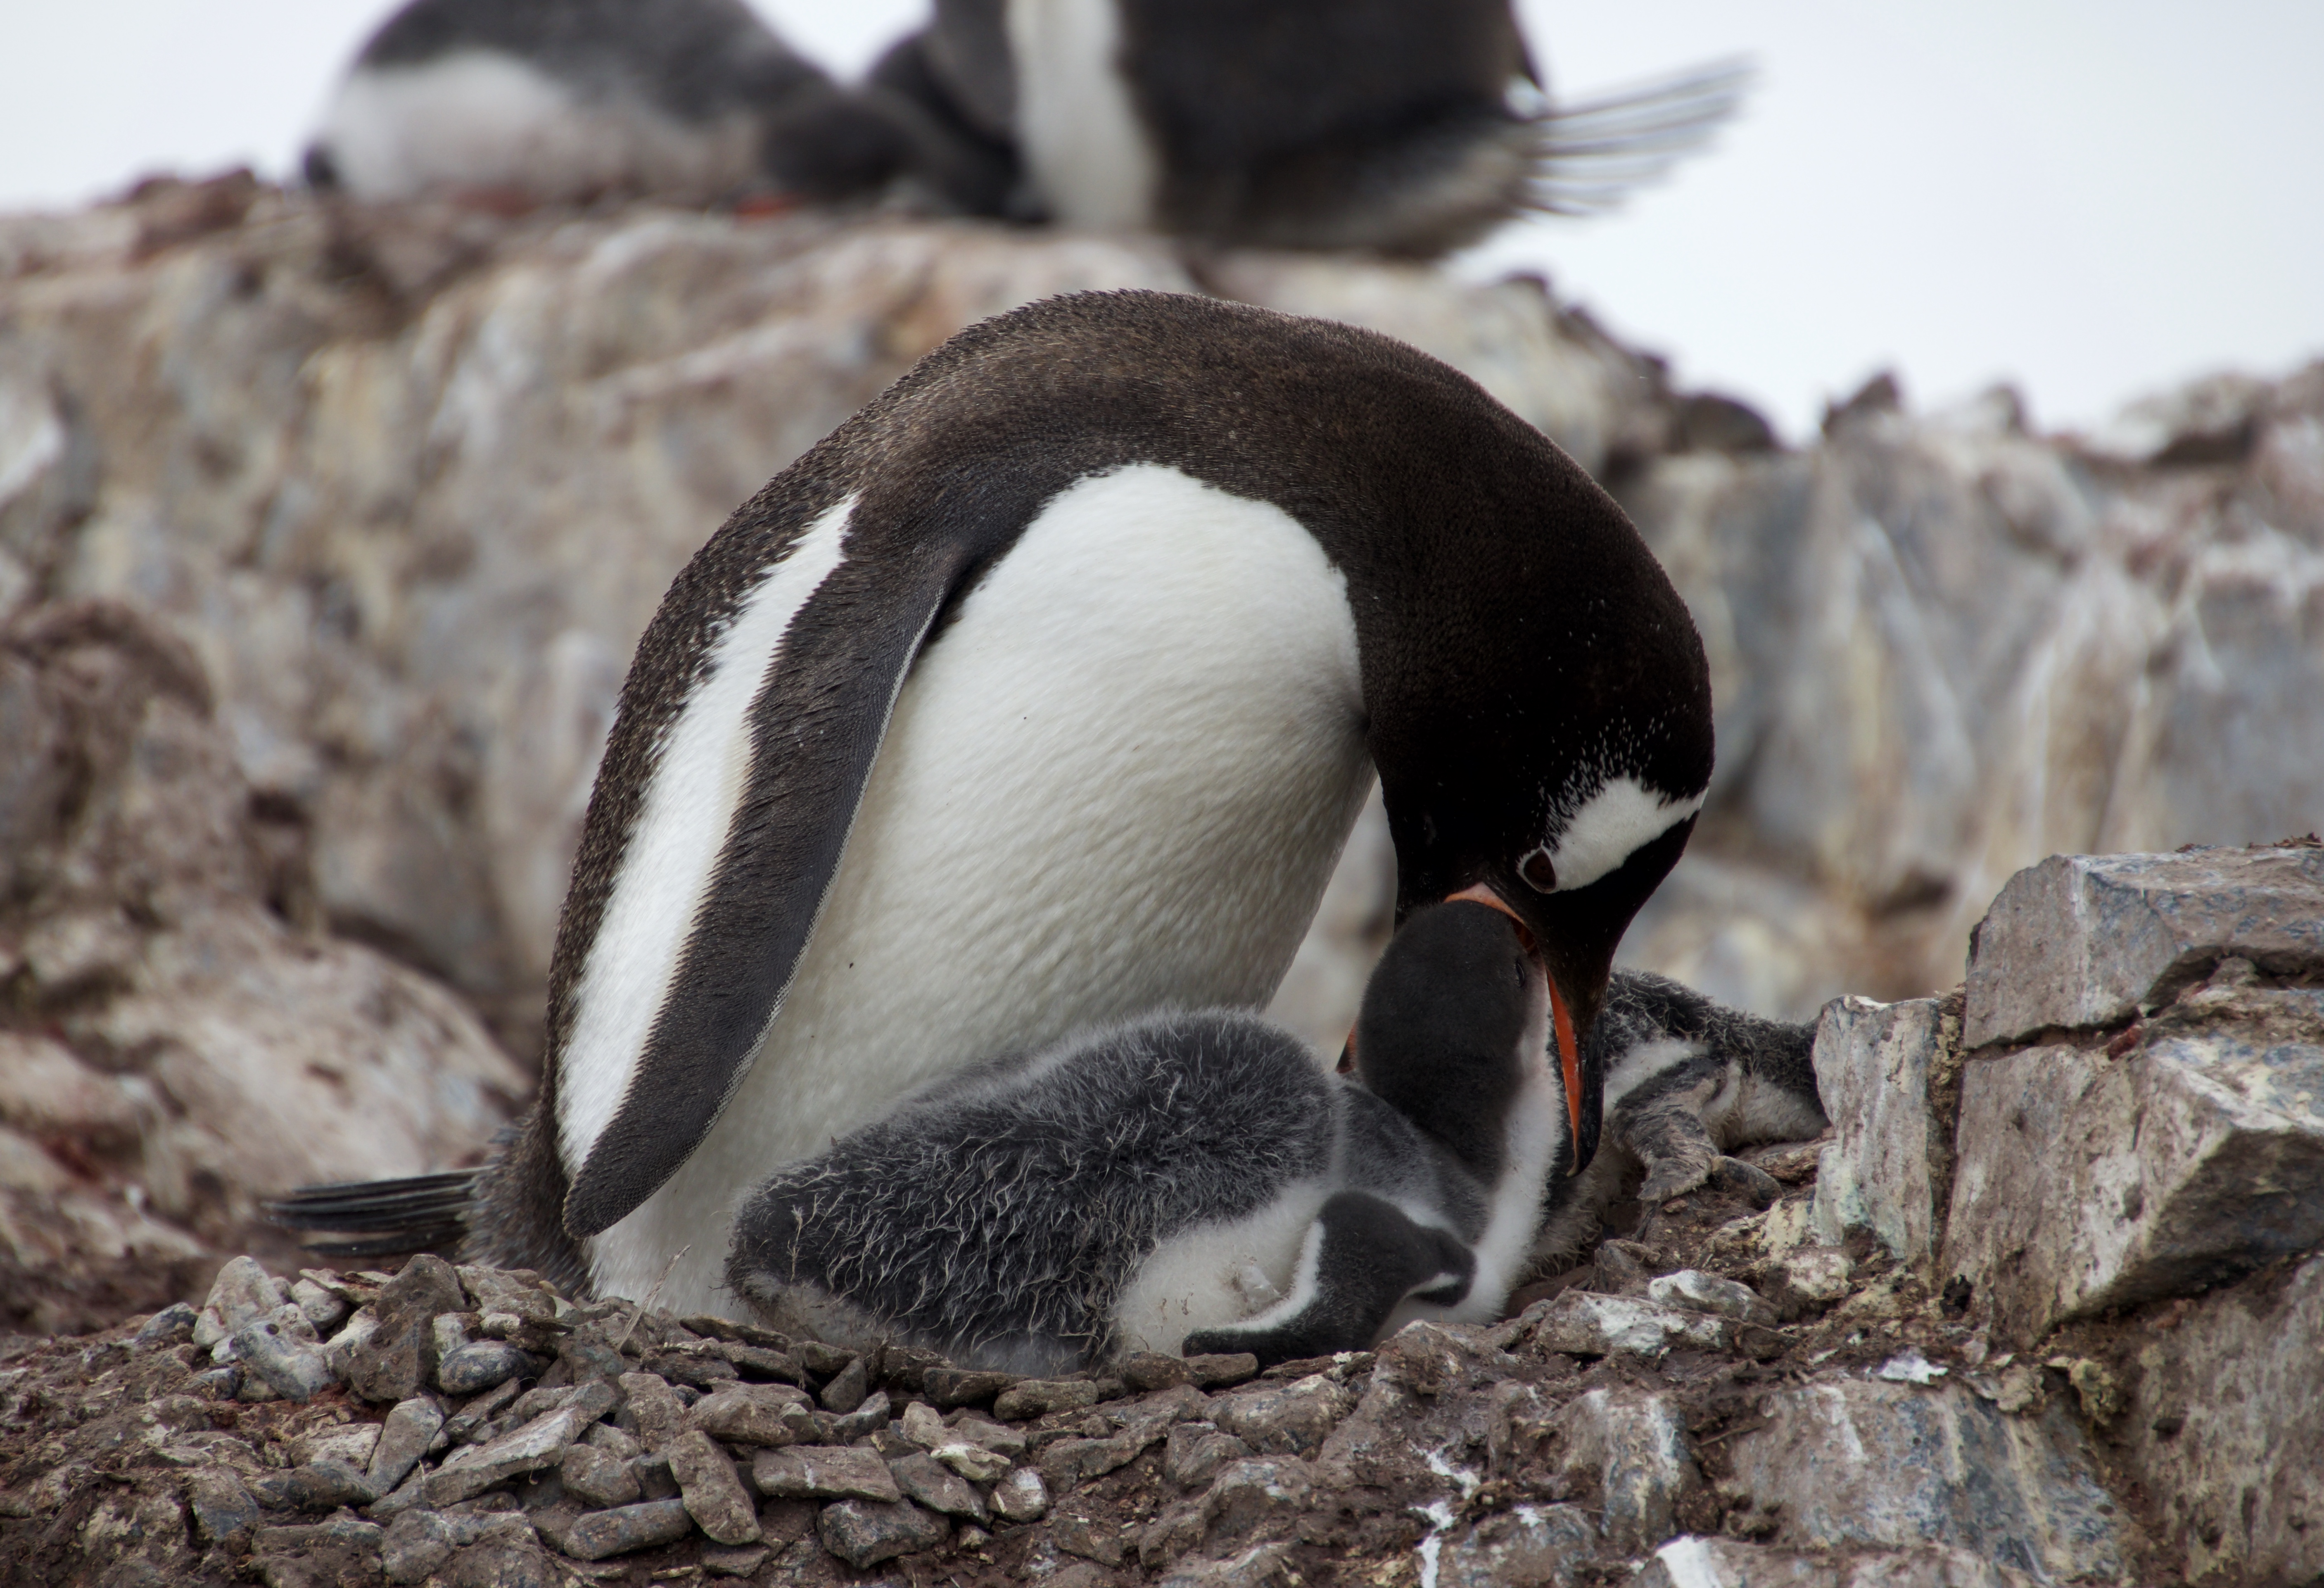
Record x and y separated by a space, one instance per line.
1364 1257
426 1213
801 678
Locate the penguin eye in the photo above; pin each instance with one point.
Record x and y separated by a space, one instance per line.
1539 871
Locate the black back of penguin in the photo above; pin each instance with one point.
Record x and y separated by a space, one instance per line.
566 99
1030 1214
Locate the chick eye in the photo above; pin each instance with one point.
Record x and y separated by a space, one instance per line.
1539 871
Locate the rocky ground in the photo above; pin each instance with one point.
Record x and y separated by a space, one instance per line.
2044 1305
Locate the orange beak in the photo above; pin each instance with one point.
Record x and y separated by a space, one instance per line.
1569 1053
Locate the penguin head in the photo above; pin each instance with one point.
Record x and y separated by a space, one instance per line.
1559 770
1454 1025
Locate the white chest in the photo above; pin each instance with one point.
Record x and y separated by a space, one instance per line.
1117 783
1081 134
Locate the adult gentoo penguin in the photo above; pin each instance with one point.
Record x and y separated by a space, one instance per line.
1192 1181
1043 694
1406 126
563 100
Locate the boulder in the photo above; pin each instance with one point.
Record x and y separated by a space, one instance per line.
2084 942
1692 1562
1878 1066
2180 1156
1850 1462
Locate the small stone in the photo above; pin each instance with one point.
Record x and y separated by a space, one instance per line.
847 1387
223 1509
1091 1539
1247 1493
993 1437
414 1545
1151 1370
290 1366
480 1364
449 1332
823 1471
1196 1451
1546 1544
928 1482
398 1360
170 1325
757 1362
1219 1369
661 1416
533 1402
696 1367
325 1310
1036 1398
923 1428
352 1443
208 1329
627 1527
655 1479
712 1490
1700 1292
1581 1322
973 1462
1020 1497
503 1566
322 1485
341 1348
742 1562
766 1414
243 1292
870 1417
1293 1420
610 1439
1632 1445
863 1532
951 1386
217 1383
538 1444
475 1416
598 1480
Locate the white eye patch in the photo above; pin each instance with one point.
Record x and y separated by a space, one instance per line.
1611 826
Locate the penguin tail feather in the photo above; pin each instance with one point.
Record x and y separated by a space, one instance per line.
427 1212
1594 153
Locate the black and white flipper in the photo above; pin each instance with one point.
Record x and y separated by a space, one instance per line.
1195 1181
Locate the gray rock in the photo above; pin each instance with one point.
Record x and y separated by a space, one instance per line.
1036 1398
319 1485
531 1403
2225 1428
1548 1545
474 1420
414 1545
1875 1066
292 1367
1262 1565
1697 1291
503 1566
713 1490
951 1386
742 1562
325 1310
1091 1538
660 1414
222 1508
1809 1278
397 1362
1250 1494
1196 1451
1633 1444
1151 1370
1851 1462
610 1439
973 1462
873 1416
243 1292
480 1364
823 1471
1692 1562
2083 941
1581 1322
598 1478
1020 1497
171 1324
654 1479
624 1529
538 1444
847 1387
928 1482
1221 1369
2084 1183
998 1437
1291 1419
864 1532
341 1348
756 1414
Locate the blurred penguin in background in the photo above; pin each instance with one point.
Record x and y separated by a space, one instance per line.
524 102
1406 127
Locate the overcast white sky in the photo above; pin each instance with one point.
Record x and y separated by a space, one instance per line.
2093 198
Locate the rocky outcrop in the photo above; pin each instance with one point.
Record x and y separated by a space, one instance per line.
178 1034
